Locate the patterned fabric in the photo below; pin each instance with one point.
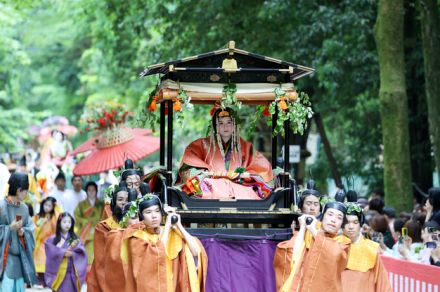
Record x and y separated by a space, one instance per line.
226 183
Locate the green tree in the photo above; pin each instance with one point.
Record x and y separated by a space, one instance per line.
430 18
393 102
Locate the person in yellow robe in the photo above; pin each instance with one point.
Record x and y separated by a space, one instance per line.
159 258
87 214
45 226
365 271
313 260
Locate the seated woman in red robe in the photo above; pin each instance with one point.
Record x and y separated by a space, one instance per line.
224 166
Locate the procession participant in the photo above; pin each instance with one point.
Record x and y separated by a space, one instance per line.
87 214
365 271
169 256
45 222
59 189
106 271
309 202
224 166
66 258
74 196
132 176
16 237
313 259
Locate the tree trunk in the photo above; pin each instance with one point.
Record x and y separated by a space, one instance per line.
429 13
393 104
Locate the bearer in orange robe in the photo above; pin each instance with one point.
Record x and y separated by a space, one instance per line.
365 271
106 273
313 259
162 259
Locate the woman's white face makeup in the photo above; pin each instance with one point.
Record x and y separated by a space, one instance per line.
66 224
48 207
225 128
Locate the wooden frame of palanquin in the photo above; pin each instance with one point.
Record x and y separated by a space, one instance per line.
215 67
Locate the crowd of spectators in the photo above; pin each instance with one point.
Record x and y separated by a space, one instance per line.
412 236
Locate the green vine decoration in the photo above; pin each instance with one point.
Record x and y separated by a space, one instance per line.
229 99
133 210
149 117
131 213
325 199
353 208
180 103
295 111
108 193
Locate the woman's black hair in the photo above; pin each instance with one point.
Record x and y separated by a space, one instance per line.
434 198
30 209
72 234
91 183
18 181
148 203
41 214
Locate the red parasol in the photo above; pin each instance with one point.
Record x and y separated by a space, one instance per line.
113 147
91 143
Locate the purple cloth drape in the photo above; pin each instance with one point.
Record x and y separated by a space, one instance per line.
240 265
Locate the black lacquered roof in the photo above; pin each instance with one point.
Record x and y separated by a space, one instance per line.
207 67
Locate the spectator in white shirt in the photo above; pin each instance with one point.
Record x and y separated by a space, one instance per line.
73 197
60 188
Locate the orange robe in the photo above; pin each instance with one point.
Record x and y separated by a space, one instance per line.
106 273
45 228
107 213
199 155
149 266
365 271
319 267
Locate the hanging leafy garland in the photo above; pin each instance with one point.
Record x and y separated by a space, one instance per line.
229 99
292 108
181 102
150 116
